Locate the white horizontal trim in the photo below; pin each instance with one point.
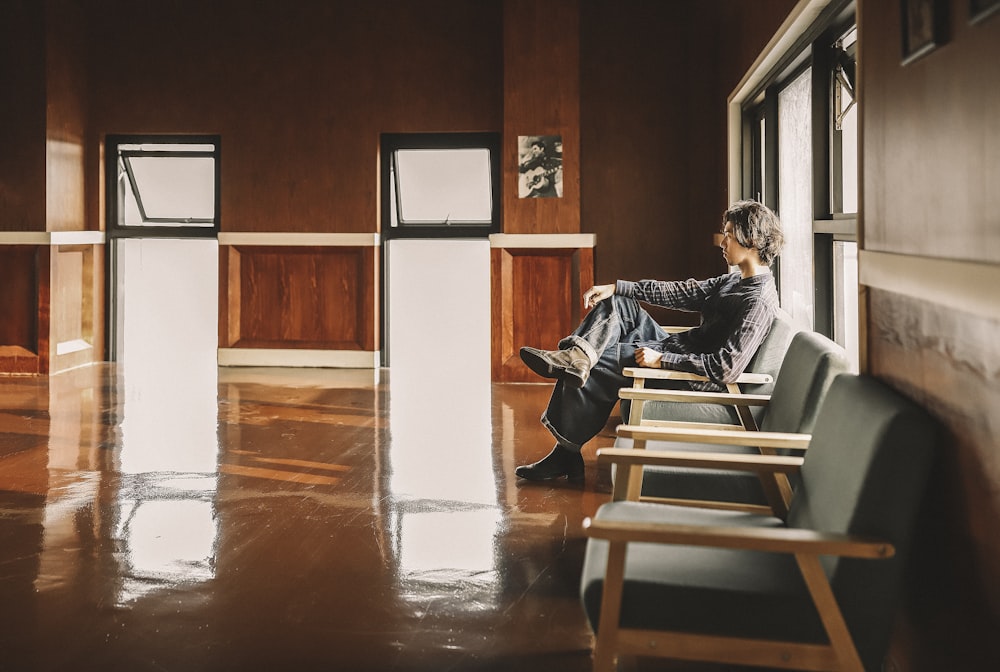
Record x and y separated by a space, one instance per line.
963 285
299 239
795 25
76 345
334 359
52 237
563 240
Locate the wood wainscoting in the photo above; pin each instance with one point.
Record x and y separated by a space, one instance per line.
298 299
51 300
537 284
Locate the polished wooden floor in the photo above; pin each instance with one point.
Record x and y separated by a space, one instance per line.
164 518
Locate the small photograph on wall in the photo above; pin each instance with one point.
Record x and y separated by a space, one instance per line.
539 159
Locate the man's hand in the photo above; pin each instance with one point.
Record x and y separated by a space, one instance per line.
596 294
648 358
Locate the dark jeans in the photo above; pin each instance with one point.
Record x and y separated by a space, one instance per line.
609 334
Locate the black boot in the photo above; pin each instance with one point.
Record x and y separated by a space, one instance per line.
560 462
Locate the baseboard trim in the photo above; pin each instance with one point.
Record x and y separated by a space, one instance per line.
334 359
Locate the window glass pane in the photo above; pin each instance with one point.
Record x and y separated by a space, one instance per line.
849 158
443 186
176 188
846 124
845 296
762 163
795 197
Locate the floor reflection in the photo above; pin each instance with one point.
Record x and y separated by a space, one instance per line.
444 514
164 523
204 518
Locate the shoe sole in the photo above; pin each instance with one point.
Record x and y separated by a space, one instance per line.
573 478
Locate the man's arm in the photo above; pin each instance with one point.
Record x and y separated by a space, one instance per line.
726 364
687 295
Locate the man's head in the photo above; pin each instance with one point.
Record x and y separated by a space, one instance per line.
754 225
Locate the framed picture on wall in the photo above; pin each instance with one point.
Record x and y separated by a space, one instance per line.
980 9
539 159
924 29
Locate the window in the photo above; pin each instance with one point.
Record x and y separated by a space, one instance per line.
800 148
162 209
795 197
440 185
165 186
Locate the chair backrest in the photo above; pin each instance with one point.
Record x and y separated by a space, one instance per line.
771 352
768 358
865 473
809 367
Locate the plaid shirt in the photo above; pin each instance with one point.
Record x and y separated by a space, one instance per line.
736 314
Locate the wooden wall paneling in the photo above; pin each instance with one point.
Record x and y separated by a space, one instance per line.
300 297
947 361
24 281
22 133
930 151
44 317
229 296
537 300
66 96
330 77
933 139
73 333
542 97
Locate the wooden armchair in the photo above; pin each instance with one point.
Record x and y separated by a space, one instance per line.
759 378
815 592
810 364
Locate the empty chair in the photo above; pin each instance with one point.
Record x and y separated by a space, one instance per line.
809 366
816 592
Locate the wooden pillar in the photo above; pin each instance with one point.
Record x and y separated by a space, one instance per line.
541 264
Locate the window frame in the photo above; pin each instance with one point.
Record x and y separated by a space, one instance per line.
115 217
393 142
815 49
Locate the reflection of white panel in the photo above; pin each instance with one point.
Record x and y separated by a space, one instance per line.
450 543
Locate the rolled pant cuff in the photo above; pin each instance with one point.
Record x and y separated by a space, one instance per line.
560 439
581 343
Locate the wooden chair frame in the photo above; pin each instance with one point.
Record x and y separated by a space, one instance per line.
840 654
638 394
777 488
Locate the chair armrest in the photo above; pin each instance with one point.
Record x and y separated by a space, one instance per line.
726 437
688 397
774 540
682 458
670 374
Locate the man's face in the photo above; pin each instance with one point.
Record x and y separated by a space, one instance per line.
536 150
732 251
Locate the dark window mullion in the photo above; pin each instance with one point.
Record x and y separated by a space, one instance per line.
127 162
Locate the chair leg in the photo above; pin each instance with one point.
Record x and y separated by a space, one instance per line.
829 613
746 417
605 655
